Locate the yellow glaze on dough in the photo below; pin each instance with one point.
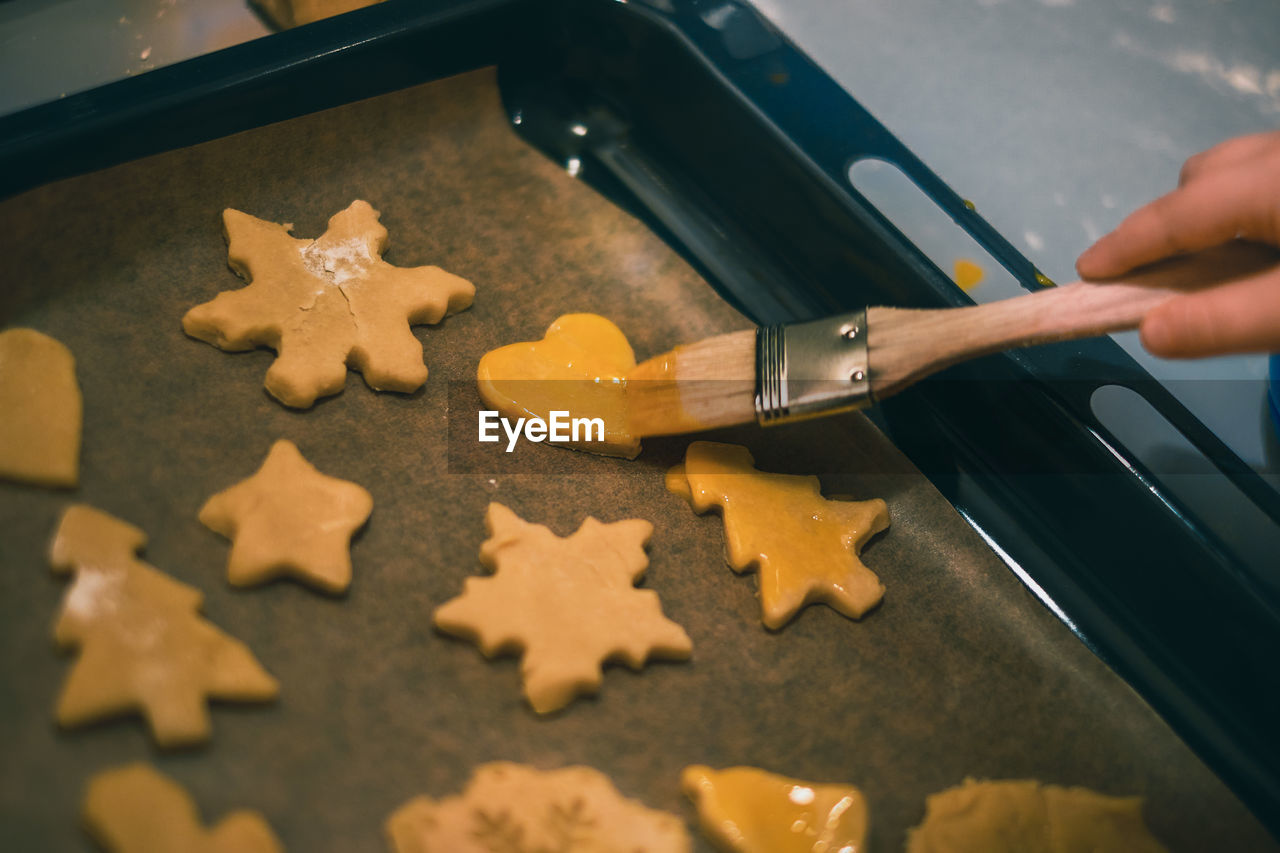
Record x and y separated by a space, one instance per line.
568 604
514 808
288 519
579 366
1026 817
135 809
143 644
326 304
747 810
40 410
804 546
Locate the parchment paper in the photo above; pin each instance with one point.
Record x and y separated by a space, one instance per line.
960 672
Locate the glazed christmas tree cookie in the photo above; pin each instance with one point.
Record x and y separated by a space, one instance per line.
804 546
135 809
326 304
569 604
143 644
289 519
512 808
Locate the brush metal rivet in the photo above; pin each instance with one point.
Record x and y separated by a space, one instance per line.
857 376
850 332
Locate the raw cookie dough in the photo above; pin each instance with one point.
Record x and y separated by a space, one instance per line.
326 304
143 644
804 546
289 519
513 808
40 410
568 604
294 13
747 810
136 809
579 366
1027 817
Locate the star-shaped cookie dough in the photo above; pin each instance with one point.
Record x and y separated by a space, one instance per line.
326 304
568 603
288 519
804 546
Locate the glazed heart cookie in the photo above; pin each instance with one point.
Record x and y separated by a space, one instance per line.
579 367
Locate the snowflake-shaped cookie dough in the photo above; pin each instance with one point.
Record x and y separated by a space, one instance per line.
569 603
512 808
326 304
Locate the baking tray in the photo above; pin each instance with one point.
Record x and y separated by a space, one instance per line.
680 111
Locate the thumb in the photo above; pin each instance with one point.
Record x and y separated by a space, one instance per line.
1238 317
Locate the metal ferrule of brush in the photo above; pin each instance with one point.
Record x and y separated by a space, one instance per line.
804 370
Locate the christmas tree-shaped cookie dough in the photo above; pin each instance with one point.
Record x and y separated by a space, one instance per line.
804 546
135 809
143 644
326 304
568 604
512 808
1024 816
751 811
289 519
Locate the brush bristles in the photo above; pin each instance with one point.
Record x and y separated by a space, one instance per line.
697 387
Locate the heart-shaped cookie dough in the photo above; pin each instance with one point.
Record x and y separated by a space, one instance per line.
579 366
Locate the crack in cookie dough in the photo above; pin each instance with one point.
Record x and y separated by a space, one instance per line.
325 305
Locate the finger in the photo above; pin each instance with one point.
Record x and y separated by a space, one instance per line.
1227 154
1204 213
1240 317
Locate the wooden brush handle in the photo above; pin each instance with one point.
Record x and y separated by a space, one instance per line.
906 345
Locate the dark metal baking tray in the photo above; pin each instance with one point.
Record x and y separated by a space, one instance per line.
705 123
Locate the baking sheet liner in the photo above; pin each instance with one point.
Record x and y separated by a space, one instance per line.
960 672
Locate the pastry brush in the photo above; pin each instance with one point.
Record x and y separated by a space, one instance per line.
776 374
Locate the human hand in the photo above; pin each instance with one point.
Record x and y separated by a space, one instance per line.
1231 191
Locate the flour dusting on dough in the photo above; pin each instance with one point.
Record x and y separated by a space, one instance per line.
95 592
337 262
